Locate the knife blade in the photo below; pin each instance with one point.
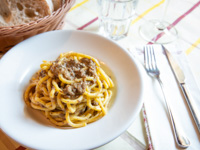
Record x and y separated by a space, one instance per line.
180 77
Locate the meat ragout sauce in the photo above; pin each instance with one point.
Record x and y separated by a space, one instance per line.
72 69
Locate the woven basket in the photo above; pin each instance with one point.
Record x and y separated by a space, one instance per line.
10 36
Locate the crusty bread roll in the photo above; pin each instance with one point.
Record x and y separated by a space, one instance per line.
57 4
23 11
5 12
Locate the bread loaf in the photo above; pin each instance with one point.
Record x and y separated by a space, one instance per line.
14 12
5 12
57 4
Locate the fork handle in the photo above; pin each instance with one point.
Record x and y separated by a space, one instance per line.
181 140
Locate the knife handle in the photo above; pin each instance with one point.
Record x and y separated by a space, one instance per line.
191 105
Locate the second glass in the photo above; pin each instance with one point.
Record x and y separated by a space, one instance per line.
159 31
115 17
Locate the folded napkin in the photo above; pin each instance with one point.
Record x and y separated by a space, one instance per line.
156 112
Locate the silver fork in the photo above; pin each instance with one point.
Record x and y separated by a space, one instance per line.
153 71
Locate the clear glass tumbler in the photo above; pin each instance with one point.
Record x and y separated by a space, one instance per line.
115 17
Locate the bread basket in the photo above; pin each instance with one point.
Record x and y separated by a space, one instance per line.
10 36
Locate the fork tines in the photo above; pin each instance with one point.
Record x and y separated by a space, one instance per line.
150 62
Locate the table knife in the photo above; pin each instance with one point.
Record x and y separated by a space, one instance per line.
179 75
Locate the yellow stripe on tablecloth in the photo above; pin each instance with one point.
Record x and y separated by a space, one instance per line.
192 47
78 5
147 11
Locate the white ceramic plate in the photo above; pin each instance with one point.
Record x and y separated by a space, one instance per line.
32 130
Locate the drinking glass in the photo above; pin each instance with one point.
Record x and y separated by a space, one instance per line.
158 31
115 17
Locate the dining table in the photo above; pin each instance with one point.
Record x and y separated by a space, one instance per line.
151 129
